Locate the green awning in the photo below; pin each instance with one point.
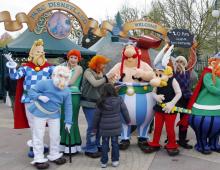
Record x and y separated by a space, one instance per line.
24 42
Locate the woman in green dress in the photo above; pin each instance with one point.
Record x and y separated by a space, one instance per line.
73 57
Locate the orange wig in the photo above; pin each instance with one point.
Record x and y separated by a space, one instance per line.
97 60
74 52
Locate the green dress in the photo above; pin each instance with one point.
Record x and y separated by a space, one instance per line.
74 132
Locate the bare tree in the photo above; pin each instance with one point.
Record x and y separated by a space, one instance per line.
130 14
194 15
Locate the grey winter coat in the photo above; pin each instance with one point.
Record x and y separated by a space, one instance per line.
109 118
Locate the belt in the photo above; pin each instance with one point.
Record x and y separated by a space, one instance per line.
44 110
131 90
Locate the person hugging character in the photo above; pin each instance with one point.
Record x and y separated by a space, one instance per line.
73 58
93 79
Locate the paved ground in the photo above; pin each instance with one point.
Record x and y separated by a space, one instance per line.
13 153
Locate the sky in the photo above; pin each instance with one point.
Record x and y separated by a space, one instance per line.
97 9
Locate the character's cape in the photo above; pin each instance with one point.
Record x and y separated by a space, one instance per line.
20 119
198 88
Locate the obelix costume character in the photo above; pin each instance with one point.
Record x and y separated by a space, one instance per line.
138 99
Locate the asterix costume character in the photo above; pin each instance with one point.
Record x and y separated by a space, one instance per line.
138 99
48 96
28 75
205 104
73 57
166 91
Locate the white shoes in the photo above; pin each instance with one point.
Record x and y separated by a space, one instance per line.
103 165
115 163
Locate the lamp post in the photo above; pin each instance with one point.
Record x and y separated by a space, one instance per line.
216 14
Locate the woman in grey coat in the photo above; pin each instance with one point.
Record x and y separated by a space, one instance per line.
111 111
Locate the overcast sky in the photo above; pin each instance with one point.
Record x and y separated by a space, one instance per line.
97 9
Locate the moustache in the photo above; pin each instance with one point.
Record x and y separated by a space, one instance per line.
163 83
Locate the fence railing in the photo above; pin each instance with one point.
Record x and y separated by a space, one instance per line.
201 63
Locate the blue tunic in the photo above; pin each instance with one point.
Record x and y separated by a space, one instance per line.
56 96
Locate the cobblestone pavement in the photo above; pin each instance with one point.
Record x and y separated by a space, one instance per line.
13 151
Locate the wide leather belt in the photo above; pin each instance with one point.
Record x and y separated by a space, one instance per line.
43 109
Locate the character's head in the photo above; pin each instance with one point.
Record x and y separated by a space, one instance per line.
37 54
98 63
61 76
161 77
73 57
130 54
214 64
180 64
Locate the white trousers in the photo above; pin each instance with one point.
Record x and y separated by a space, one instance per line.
39 125
30 121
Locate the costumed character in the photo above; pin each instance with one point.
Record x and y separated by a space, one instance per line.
205 104
145 43
166 90
73 57
93 80
182 75
48 96
138 99
28 75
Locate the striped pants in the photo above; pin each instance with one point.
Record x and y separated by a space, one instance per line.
140 108
207 131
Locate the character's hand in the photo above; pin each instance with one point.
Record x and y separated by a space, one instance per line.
112 77
44 99
68 127
169 106
159 98
138 73
183 123
10 63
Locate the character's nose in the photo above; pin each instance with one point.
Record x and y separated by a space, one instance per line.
155 82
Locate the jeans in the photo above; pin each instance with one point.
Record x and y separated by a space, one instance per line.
105 149
91 144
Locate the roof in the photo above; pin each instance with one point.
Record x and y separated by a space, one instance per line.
24 42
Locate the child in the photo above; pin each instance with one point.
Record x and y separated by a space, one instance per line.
107 118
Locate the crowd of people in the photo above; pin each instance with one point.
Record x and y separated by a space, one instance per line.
132 93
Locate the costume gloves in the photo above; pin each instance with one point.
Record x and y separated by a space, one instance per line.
11 63
68 127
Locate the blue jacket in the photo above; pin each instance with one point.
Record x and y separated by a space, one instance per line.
56 96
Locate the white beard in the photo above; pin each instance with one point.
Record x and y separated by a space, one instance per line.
180 68
60 83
